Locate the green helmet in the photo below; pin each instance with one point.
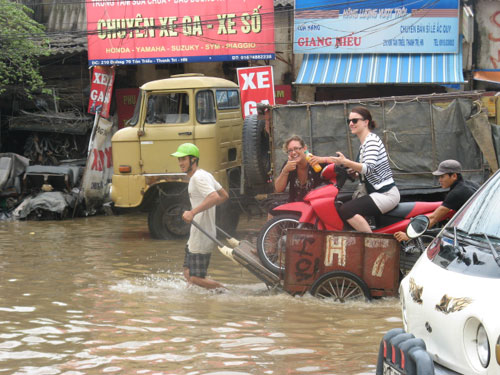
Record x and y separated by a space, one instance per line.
187 149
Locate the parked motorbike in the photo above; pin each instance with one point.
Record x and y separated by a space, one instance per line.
318 210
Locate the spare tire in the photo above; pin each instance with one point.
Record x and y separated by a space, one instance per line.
256 155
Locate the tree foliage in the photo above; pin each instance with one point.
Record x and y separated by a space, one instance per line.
22 42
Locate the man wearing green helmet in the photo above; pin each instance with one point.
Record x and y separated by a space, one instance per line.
204 193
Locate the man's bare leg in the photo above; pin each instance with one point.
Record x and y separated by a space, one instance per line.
205 283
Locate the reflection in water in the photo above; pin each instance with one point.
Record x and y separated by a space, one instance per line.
97 295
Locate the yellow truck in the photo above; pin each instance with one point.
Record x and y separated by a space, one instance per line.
192 108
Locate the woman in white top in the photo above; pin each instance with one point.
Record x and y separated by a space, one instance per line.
373 167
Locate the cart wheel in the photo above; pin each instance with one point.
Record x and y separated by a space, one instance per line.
342 286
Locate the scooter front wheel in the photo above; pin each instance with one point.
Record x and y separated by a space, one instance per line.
272 241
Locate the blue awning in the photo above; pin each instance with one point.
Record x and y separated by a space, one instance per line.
351 69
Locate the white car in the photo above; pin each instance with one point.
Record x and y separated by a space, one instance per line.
451 297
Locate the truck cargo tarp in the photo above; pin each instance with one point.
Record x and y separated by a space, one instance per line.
418 133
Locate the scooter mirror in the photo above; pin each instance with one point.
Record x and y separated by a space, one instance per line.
418 225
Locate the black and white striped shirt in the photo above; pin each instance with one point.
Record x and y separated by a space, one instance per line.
375 162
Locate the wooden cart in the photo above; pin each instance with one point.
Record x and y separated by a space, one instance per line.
341 265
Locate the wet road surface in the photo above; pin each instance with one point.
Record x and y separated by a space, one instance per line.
98 295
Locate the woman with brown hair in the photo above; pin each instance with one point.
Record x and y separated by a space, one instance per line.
372 165
298 173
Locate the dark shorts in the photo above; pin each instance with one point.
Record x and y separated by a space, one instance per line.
364 206
196 263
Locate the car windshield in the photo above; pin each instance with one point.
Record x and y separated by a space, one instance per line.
480 216
470 243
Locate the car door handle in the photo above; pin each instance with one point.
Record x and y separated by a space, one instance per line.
185 133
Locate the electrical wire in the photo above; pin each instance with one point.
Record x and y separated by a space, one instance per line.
266 21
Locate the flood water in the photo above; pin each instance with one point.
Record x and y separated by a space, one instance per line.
97 295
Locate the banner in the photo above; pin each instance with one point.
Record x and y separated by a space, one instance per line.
99 168
375 27
256 86
100 90
179 31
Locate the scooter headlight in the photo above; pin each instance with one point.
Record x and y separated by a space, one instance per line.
482 346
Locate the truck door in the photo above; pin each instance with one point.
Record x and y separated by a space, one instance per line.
168 123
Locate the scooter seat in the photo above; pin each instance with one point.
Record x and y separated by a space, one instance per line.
410 209
401 210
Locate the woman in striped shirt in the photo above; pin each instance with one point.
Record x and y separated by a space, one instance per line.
373 167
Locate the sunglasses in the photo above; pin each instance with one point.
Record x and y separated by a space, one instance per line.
354 120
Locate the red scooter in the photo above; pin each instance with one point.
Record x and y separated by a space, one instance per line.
319 211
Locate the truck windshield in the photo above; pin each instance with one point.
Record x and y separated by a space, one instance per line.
168 108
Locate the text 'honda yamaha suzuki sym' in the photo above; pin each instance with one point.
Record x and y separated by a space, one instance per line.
319 211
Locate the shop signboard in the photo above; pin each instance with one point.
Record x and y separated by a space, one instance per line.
256 86
282 94
179 31
375 27
101 90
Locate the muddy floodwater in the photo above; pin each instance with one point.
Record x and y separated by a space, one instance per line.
99 296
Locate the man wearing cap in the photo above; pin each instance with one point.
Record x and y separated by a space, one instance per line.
204 193
450 176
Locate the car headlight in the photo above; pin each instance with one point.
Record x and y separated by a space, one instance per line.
497 350
476 344
482 346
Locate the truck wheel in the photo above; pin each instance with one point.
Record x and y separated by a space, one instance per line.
228 217
342 286
256 157
165 219
271 242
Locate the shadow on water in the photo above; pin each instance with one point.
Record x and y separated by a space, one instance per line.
97 295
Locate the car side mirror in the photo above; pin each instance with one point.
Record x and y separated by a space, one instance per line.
418 225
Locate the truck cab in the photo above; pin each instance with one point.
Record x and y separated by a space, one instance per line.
191 108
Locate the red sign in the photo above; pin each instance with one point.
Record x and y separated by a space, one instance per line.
179 31
100 90
125 104
256 86
282 93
